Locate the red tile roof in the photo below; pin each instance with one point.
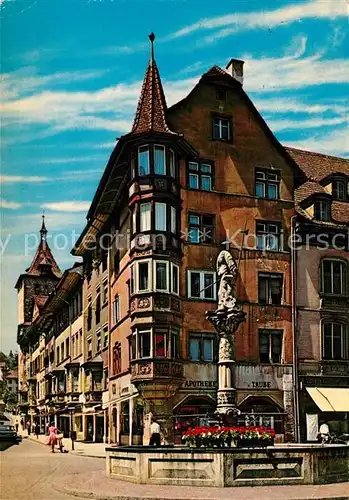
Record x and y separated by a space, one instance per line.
151 110
317 166
43 256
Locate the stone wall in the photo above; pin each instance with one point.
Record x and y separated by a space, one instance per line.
230 467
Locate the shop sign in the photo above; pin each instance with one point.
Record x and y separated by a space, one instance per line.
200 384
261 385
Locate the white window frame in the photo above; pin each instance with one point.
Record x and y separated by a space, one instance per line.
176 268
155 288
160 146
143 146
163 205
144 224
202 284
150 277
138 343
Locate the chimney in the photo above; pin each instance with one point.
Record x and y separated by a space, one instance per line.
235 68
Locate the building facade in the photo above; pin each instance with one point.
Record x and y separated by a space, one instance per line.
322 293
185 181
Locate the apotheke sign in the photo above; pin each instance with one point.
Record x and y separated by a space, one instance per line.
200 384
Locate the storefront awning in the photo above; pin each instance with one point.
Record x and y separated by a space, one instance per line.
330 399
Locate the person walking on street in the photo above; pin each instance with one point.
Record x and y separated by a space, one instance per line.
37 430
52 436
155 438
28 428
33 428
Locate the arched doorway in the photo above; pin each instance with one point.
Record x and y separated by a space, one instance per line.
191 412
262 411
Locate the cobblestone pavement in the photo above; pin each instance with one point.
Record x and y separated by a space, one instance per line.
30 471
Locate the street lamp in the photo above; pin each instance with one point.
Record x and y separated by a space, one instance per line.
72 432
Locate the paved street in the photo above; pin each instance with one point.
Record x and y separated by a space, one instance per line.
29 469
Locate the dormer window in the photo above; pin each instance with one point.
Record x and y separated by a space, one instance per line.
155 160
322 210
340 189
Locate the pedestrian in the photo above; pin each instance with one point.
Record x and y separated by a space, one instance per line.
33 428
52 436
28 427
155 437
16 426
324 432
37 430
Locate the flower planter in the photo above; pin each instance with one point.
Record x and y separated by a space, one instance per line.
228 437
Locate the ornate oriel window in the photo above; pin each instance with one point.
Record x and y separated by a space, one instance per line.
156 217
154 276
154 159
155 342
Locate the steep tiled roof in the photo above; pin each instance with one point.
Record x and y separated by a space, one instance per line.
317 166
151 110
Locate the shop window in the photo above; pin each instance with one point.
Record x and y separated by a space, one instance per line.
270 346
200 176
335 341
201 285
125 414
267 184
201 227
268 236
334 277
159 160
221 129
322 210
270 288
144 337
143 160
201 347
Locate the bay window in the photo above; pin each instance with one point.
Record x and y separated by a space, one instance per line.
155 342
159 160
143 276
172 163
145 217
175 342
161 276
173 220
174 279
143 160
160 343
144 347
160 216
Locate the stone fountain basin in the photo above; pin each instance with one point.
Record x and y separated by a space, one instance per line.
280 464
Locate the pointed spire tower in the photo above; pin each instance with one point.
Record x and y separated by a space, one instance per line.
151 110
43 261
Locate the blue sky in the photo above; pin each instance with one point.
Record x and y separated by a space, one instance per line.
71 76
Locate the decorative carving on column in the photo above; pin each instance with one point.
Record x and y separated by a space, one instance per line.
226 319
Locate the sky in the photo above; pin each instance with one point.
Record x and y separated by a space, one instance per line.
72 72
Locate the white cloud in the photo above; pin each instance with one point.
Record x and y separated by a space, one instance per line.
71 159
12 179
277 125
231 23
333 143
11 205
292 105
68 206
